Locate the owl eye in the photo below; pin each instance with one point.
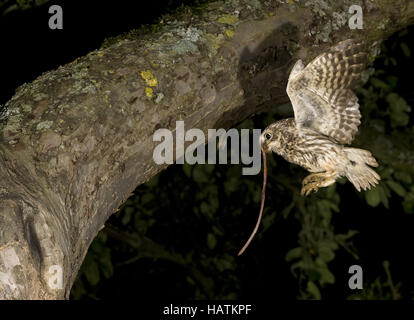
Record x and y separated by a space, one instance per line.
268 136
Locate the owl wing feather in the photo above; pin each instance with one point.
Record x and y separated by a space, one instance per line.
320 93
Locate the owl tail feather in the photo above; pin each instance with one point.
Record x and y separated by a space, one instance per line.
358 170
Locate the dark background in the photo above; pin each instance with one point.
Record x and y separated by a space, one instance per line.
196 218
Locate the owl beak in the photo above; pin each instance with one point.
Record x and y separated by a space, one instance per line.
261 141
262 144
265 150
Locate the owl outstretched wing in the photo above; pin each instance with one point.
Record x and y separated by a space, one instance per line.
320 93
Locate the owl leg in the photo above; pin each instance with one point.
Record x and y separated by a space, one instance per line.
315 181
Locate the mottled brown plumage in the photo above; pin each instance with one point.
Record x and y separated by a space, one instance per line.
326 117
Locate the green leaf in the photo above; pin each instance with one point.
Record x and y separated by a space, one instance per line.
330 192
224 263
187 169
319 262
92 273
106 266
408 203
313 290
397 188
153 182
293 254
384 193
326 276
217 231
297 265
326 253
403 177
405 49
11 8
127 215
328 243
392 81
399 118
324 209
40 2
147 197
314 275
24 4
378 83
398 109
372 197
200 175
211 241
344 237
209 168
190 280
231 185
207 209
78 290
386 172
267 220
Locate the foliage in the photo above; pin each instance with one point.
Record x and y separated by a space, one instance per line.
10 6
378 289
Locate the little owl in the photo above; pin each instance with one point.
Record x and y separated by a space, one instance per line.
326 119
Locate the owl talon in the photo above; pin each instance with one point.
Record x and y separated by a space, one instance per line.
315 181
312 179
309 188
310 184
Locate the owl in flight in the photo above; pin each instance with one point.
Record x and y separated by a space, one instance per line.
326 119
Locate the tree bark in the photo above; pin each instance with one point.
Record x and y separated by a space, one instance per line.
77 141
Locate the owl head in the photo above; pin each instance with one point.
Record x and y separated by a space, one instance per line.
272 137
266 139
